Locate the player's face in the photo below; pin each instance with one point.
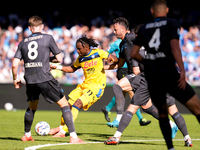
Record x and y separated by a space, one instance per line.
119 31
82 50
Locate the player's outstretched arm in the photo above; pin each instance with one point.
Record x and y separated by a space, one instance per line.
117 65
67 69
16 81
113 59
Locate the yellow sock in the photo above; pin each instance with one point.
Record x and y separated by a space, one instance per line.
75 112
62 121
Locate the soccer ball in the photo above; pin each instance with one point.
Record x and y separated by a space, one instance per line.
42 128
8 106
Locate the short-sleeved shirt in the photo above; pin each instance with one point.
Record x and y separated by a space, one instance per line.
92 65
35 51
114 47
125 49
155 36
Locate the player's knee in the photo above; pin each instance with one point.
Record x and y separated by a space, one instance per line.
63 102
172 109
78 103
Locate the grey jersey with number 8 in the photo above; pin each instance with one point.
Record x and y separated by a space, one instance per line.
35 51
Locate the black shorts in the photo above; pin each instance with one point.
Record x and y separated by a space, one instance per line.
141 92
122 72
50 90
159 85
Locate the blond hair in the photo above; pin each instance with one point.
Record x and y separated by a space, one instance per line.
35 21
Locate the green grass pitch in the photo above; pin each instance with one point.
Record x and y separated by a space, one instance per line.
91 127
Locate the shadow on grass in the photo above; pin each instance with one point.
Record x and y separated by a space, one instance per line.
126 142
10 138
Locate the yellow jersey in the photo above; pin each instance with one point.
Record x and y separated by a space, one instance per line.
92 65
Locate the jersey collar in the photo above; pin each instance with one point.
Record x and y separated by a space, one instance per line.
159 18
89 53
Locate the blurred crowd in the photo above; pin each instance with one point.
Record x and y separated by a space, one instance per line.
66 37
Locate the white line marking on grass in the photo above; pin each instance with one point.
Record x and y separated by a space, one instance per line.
153 140
47 145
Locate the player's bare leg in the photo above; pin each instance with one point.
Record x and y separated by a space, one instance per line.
28 120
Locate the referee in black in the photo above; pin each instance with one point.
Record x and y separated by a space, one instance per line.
160 38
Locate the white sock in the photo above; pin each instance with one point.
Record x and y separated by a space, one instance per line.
73 134
117 134
186 137
171 149
28 134
171 123
62 131
119 116
60 127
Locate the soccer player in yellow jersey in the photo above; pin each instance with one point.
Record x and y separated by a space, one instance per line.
92 88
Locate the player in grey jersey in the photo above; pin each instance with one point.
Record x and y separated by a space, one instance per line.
35 51
160 37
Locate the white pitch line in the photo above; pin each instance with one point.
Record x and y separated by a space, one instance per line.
47 145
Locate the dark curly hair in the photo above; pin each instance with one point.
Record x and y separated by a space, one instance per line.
122 21
84 40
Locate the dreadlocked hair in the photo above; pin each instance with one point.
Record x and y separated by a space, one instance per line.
84 40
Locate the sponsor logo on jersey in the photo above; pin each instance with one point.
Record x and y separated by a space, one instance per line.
89 64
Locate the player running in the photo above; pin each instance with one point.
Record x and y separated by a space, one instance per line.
35 51
121 72
161 40
142 98
92 88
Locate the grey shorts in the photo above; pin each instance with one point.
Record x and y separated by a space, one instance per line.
141 92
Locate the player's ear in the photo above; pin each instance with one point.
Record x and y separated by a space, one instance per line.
151 9
167 10
42 26
30 28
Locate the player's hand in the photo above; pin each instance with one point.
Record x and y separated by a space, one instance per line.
53 66
182 82
112 60
17 83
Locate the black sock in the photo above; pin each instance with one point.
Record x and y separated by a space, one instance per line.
152 111
166 131
67 116
125 120
180 122
119 98
28 119
198 117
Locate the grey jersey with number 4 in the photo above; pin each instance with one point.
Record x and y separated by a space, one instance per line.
35 51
